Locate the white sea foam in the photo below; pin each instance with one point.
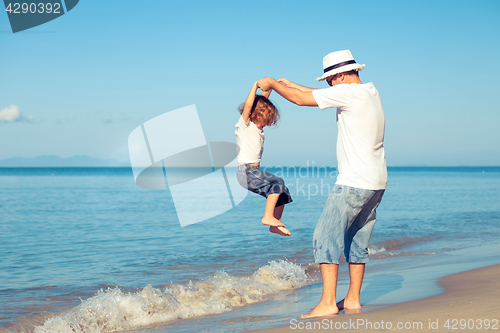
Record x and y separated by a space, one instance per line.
113 310
393 244
372 249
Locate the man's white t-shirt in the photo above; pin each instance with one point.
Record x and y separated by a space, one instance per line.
360 141
250 140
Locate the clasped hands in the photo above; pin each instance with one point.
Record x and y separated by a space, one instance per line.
266 83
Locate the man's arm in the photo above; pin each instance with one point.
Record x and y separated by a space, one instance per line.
294 95
290 84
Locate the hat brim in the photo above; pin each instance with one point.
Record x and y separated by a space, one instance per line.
352 67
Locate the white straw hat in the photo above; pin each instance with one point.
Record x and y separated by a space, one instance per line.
338 62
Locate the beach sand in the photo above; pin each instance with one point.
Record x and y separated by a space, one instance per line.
470 303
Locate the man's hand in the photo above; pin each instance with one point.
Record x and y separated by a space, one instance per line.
265 84
290 84
285 82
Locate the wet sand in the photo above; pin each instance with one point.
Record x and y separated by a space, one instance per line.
470 303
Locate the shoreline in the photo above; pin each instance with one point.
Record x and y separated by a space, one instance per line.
470 302
384 292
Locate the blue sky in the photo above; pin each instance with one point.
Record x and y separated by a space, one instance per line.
83 82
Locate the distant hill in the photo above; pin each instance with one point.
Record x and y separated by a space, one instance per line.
56 161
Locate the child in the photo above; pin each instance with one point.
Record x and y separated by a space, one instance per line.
256 113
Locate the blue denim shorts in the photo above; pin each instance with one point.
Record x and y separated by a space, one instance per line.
263 183
346 225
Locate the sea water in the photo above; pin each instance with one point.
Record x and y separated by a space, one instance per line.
85 249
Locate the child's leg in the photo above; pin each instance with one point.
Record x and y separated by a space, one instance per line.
278 212
269 218
273 189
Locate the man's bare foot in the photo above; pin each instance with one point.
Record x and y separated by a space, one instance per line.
280 231
347 305
272 221
321 310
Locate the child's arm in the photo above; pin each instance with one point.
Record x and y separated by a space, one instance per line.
249 103
266 93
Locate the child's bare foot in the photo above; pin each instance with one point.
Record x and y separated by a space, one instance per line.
280 231
272 221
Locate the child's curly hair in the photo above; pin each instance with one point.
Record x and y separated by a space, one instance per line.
262 111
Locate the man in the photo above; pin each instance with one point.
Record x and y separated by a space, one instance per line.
350 211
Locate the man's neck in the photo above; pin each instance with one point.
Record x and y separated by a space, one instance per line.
352 79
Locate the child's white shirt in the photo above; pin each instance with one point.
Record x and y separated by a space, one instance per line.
250 141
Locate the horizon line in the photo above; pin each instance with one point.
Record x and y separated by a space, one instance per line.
279 166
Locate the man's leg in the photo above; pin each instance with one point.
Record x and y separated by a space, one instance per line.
357 239
327 305
351 301
328 244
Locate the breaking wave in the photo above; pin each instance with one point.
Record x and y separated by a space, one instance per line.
381 250
113 310
392 244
